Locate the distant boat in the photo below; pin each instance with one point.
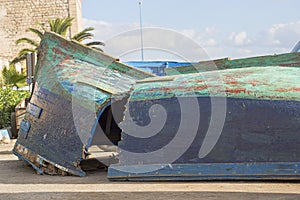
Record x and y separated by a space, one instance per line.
235 122
157 67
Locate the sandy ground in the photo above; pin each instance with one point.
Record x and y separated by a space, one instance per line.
19 181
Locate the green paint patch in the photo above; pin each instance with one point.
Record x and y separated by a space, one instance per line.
275 83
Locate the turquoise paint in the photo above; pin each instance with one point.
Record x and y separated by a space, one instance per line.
276 83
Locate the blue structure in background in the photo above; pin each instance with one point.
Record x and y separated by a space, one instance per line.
296 48
157 67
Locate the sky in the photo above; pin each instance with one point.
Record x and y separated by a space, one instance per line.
193 30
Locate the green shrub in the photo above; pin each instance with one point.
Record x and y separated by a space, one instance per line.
8 100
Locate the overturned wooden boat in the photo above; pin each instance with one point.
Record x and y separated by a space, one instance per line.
73 91
241 123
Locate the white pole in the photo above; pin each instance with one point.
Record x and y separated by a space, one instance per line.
141 29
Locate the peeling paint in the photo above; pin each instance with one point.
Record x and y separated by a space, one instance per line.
76 88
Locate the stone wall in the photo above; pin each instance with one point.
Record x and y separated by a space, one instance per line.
18 15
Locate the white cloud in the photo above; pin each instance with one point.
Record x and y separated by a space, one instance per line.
281 35
210 30
210 42
208 37
158 44
205 38
124 39
105 30
239 38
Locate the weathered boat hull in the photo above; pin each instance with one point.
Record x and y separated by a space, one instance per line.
50 137
259 140
253 130
248 118
228 124
66 104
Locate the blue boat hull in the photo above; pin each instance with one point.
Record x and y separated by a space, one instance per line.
42 145
259 139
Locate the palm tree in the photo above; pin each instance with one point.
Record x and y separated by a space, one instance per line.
12 78
59 26
22 53
86 34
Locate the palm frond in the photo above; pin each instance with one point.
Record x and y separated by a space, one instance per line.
97 48
54 24
18 59
36 32
22 55
26 51
95 43
4 73
51 24
65 25
28 41
61 25
83 35
12 78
